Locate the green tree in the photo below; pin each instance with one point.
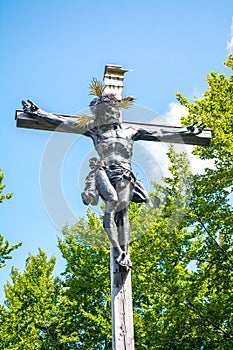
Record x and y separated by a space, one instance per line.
183 291
5 247
215 109
29 317
186 288
87 318
210 294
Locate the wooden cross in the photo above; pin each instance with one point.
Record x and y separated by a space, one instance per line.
121 291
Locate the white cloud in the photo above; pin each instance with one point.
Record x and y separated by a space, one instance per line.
175 112
172 116
230 43
157 152
198 165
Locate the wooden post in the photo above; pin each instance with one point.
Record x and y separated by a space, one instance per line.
122 306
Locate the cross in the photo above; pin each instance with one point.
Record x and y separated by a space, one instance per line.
111 177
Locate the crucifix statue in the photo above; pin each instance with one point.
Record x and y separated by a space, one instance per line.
111 176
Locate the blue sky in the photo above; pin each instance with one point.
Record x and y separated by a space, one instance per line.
50 50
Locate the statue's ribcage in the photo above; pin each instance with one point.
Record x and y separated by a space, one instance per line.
111 148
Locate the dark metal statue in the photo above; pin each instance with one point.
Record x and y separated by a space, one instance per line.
111 176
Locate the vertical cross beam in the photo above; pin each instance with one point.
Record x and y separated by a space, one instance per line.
122 306
121 290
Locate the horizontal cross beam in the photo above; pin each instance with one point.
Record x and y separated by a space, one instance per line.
23 120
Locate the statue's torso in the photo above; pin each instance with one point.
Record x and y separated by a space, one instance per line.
114 146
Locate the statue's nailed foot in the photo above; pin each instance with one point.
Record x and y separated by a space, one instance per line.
124 260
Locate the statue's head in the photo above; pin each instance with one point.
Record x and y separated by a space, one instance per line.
106 110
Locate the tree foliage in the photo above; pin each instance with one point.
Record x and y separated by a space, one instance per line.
185 295
5 247
87 285
29 318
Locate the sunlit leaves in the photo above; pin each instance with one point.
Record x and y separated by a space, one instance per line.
2 187
31 312
5 247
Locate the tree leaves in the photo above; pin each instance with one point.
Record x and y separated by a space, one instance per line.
5 250
5 247
2 187
31 306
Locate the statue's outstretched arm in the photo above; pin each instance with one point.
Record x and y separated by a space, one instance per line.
167 134
38 113
65 122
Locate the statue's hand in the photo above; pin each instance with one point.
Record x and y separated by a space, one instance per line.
195 128
30 107
36 112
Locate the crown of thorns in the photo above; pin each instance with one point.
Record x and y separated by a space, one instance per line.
108 99
96 88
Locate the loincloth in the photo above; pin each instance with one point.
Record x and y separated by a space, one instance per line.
115 173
